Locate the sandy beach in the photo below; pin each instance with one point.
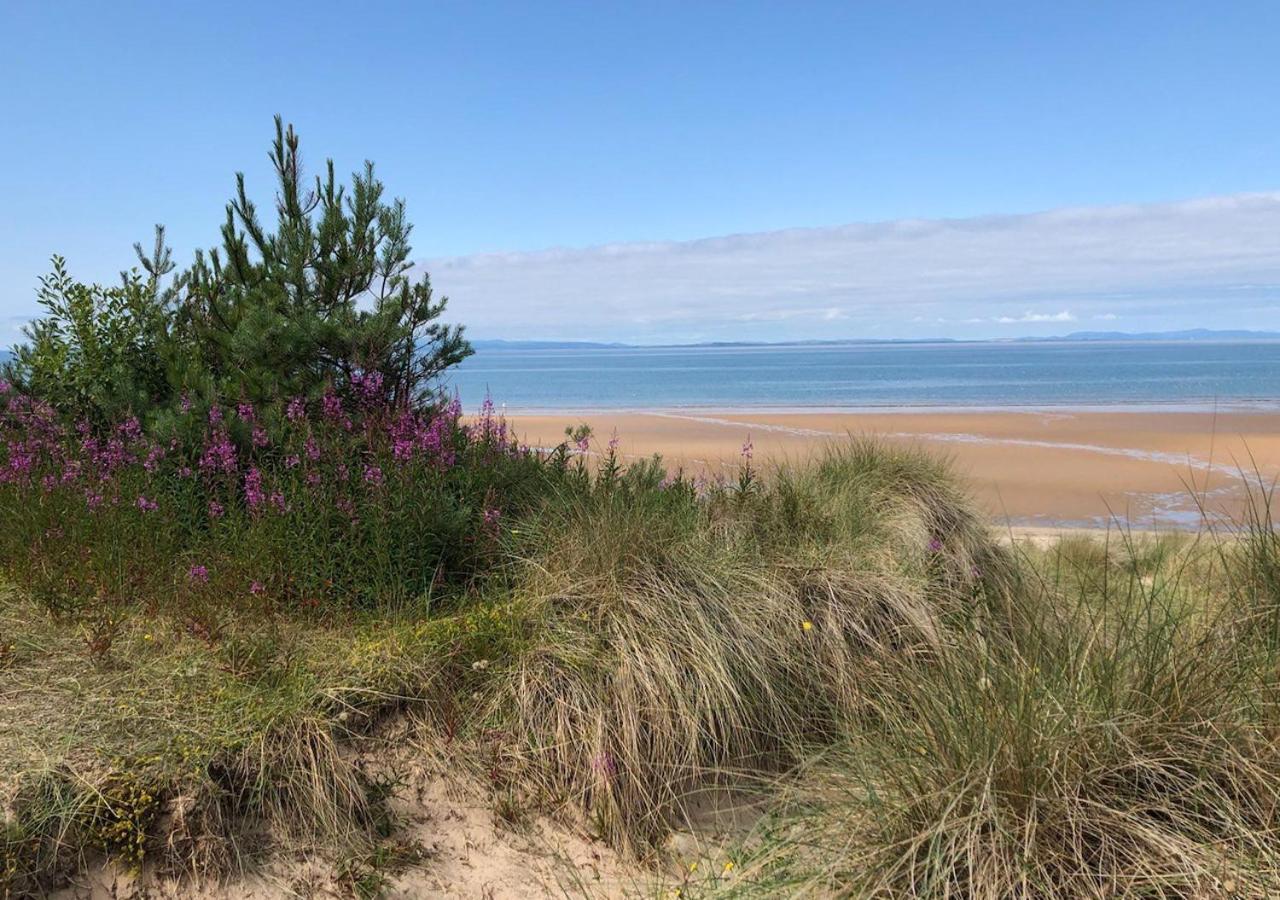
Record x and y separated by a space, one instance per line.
1034 468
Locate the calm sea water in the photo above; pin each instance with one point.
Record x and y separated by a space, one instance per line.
1182 374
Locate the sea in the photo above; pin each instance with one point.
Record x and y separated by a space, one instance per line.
1181 375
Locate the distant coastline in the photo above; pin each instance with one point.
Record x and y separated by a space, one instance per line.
1119 337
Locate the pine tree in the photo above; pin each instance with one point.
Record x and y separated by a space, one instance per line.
327 298
329 295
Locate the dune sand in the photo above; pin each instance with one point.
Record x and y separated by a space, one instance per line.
1050 468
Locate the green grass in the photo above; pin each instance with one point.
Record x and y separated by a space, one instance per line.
1121 742
928 711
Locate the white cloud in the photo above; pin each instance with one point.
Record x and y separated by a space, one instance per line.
1171 265
1106 317
1029 316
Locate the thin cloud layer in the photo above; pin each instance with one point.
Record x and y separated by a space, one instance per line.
1212 262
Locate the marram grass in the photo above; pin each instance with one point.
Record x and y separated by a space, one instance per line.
927 711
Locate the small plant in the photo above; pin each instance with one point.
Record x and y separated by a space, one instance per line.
252 657
101 627
746 474
368 875
121 822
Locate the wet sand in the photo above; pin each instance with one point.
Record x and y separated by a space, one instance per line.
1048 468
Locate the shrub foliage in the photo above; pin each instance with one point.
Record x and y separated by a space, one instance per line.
326 299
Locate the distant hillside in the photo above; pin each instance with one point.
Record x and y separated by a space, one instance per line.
543 345
1191 334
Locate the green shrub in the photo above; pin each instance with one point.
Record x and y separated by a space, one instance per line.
327 299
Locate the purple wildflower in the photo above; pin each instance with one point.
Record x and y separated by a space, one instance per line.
367 387
331 404
130 428
253 487
220 454
198 574
146 505
935 545
373 475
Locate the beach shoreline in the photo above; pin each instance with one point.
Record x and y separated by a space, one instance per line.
1055 467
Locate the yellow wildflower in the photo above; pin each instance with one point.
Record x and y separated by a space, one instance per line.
807 625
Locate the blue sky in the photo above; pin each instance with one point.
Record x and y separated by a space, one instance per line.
578 170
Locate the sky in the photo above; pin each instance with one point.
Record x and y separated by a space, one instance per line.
687 171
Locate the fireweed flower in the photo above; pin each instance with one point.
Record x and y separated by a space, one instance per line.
185 403
748 449
491 516
935 545
215 415
260 436
130 428
256 587
373 475
312 449
215 509
331 405
253 495
292 461
277 500
198 574
154 455
246 412
146 505
367 387
219 454
296 410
